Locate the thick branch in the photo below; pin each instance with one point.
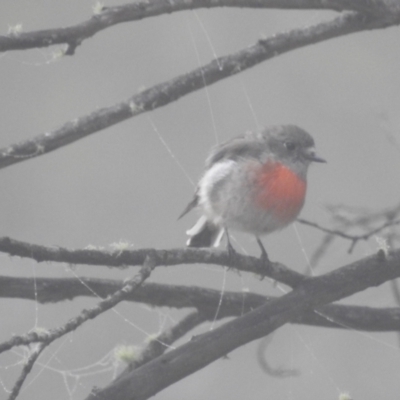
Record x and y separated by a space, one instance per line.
204 349
74 35
233 304
125 258
167 92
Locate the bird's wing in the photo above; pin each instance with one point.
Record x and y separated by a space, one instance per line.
235 148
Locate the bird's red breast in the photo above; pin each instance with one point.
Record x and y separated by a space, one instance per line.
281 191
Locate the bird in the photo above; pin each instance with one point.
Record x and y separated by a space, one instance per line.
254 183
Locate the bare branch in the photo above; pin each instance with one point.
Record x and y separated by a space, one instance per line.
167 92
346 218
204 349
353 238
307 303
50 290
26 370
126 258
376 270
159 345
85 315
74 35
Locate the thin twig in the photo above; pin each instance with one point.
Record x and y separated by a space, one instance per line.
353 238
160 344
348 217
74 323
26 370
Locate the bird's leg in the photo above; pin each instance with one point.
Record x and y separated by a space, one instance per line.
264 256
229 247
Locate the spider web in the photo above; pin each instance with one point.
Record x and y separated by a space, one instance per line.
127 330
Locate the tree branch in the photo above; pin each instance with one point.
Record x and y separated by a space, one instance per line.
26 370
204 349
346 218
353 238
47 337
233 304
106 17
167 92
123 258
160 344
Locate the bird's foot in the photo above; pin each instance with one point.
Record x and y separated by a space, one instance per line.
232 253
264 255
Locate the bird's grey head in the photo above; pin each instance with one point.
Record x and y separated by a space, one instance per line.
287 143
290 144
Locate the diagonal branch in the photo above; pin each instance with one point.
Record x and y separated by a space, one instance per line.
167 92
103 305
106 17
160 344
204 349
26 370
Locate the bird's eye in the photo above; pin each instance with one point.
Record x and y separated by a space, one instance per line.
290 146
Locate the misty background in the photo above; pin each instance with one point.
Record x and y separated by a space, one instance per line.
123 185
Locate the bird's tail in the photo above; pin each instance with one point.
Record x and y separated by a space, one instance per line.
204 234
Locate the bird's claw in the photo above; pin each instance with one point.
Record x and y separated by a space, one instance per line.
264 255
232 254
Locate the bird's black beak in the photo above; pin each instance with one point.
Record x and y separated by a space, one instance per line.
312 156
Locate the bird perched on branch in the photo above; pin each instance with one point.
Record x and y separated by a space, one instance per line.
254 183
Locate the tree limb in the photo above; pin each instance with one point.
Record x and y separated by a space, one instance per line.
311 293
220 68
106 17
48 337
233 304
26 370
124 258
353 238
160 344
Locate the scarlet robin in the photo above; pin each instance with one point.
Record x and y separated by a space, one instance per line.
254 183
